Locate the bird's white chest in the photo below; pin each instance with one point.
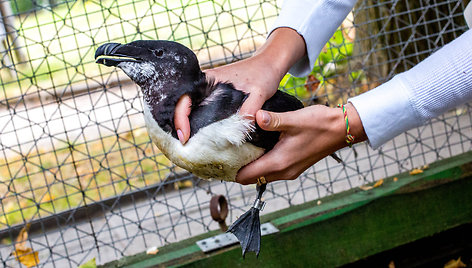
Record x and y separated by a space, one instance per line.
216 151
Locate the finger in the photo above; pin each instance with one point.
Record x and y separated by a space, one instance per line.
181 122
274 121
252 104
251 172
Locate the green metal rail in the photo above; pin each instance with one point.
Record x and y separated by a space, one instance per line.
345 227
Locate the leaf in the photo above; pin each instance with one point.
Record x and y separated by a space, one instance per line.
416 171
22 238
369 187
128 135
27 257
48 197
183 184
312 83
365 187
455 264
22 253
90 264
152 251
378 183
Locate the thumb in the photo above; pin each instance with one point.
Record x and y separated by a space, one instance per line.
272 121
251 105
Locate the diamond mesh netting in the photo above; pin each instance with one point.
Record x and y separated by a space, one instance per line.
77 168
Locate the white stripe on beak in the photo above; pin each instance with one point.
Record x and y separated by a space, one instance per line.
115 57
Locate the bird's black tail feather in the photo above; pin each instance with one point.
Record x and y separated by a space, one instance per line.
336 157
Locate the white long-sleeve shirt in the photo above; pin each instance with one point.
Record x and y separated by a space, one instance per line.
440 82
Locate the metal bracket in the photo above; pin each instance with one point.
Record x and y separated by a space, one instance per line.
227 239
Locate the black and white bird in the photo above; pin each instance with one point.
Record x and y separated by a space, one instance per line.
221 140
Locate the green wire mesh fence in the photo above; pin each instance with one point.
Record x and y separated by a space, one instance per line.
79 177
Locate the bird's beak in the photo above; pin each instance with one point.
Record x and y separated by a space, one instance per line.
109 54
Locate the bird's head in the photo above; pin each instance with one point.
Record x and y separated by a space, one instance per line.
152 64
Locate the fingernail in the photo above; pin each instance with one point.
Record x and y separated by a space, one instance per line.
181 136
265 118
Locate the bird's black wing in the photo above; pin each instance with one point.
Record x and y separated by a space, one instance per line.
221 103
279 103
224 101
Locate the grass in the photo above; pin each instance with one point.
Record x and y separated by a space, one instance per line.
47 182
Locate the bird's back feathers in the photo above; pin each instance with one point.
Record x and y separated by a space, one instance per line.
223 101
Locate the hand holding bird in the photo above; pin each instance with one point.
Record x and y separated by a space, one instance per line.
257 76
302 142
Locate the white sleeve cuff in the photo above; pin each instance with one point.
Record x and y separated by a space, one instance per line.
316 22
437 84
385 112
468 15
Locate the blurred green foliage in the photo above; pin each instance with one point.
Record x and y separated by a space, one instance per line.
90 264
24 6
331 61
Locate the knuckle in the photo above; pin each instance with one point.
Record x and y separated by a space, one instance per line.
276 122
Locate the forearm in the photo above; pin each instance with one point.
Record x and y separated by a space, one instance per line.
316 22
337 129
282 50
410 99
355 124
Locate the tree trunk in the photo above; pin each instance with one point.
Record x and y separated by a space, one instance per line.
394 36
8 21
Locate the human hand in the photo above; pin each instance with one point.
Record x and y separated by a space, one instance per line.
245 76
307 136
259 76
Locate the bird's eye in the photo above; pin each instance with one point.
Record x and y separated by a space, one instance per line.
159 53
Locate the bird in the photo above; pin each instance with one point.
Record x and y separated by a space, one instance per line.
221 140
